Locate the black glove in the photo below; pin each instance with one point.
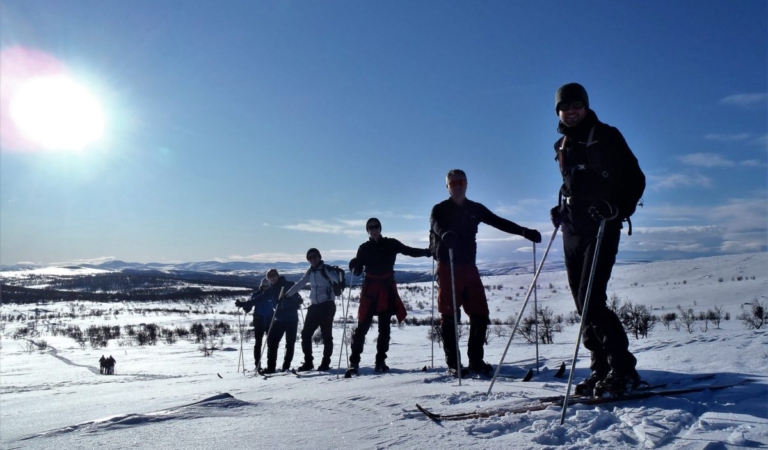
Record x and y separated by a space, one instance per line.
601 209
356 267
427 252
449 238
238 303
532 235
554 216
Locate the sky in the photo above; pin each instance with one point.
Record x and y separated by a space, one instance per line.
252 131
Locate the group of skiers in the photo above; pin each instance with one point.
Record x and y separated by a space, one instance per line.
107 365
602 182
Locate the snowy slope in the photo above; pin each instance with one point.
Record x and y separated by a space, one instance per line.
170 396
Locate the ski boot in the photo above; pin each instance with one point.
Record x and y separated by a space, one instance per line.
381 367
616 384
481 367
353 370
325 365
452 372
587 386
307 366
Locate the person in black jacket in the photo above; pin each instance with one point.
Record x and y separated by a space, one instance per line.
587 196
454 224
286 321
378 296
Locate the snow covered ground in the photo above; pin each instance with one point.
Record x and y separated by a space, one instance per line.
171 396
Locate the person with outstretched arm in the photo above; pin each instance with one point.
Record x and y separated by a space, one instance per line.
321 310
454 224
378 295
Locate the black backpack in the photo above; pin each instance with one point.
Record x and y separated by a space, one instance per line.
338 287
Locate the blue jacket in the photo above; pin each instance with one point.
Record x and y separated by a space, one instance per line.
262 304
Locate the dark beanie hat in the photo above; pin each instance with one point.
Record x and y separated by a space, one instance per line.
314 250
372 221
571 92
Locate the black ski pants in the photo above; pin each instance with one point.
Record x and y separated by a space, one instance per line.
259 329
319 316
382 343
280 328
604 334
478 327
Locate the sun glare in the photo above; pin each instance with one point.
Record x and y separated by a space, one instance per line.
57 113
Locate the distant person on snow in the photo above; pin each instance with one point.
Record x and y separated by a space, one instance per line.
110 363
321 310
102 365
286 321
378 296
454 224
263 309
589 194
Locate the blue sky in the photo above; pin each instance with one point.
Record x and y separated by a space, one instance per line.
251 131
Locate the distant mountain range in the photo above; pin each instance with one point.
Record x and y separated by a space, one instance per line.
405 272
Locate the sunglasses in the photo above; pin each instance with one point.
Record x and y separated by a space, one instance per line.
374 227
565 106
455 183
313 256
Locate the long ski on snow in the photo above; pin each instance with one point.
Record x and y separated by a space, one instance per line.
546 402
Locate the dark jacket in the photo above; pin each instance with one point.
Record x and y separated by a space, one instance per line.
262 304
287 307
379 257
464 220
586 146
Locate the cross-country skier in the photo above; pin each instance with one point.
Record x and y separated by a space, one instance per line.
321 310
454 225
263 308
589 195
378 296
286 321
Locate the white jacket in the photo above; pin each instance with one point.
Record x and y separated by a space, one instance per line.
321 289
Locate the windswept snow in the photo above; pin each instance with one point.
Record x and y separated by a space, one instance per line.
170 396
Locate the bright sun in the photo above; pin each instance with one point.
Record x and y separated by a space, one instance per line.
57 113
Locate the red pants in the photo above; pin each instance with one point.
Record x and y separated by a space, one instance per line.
470 292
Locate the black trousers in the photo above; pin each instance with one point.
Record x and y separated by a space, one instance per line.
259 330
478 327
280 328
604 334
382 344
319 316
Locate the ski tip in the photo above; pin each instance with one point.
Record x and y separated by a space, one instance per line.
424 369
560 371
219 375
528 375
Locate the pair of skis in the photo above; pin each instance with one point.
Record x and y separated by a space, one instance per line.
542 403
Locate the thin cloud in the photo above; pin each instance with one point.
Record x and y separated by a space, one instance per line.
706 160
762 141
745 100
319 226
676 180
727 137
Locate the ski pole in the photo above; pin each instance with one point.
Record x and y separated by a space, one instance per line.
432 323
536 311
583 319
344 330
455 318
520 316
240 327
269 330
